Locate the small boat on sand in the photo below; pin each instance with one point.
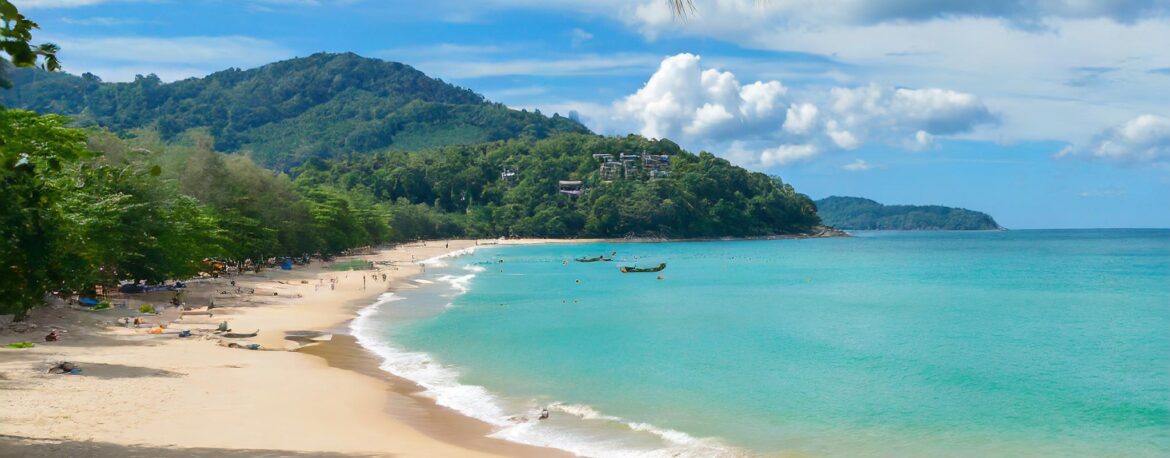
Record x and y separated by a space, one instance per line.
240 335
308 336
595 259
632 269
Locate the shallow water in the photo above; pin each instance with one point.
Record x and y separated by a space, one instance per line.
884 344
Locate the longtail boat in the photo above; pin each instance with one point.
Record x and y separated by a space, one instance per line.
631 269
599 258
240 335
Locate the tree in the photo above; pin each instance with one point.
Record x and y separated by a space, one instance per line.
15 41
34 151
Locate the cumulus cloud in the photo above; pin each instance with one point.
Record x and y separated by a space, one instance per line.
801 118
681 99
840 137
788 154
912 117
708 108
1144 139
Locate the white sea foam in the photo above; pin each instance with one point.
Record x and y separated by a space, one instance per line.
438 261
461 284
474 268
440 382
580 410
591 437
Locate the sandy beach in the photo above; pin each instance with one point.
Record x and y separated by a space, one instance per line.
142 394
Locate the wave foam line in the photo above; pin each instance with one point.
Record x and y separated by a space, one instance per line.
438 261
441 384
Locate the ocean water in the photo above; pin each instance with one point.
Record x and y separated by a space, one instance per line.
1018 343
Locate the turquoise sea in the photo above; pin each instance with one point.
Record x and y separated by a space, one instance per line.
1015 343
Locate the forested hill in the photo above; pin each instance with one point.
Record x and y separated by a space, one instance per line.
856 213
323 105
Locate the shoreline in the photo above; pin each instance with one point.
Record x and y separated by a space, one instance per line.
140 391
357 406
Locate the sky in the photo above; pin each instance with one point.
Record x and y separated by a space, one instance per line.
1042 113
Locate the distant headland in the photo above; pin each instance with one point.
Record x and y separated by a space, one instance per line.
856 213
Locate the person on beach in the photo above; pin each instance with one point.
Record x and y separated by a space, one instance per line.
52 337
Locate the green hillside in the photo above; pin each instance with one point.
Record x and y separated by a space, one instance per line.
323 105
856 213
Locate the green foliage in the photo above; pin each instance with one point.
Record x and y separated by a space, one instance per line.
458 191
855 213
15 37
323 105
34 151
79 212
146 308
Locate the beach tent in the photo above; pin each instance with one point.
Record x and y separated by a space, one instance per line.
287 264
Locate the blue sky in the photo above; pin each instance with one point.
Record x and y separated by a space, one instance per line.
1043 114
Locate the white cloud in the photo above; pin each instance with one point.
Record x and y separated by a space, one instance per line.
710 109
1023 57
683 100
1141 140
1019 56
788 154
912 117
923 140
840 137
801 118
858 165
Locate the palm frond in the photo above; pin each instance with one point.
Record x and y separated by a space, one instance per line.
681 8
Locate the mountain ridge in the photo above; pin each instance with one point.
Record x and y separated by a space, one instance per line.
322 105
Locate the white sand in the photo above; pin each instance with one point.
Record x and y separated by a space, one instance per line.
160 390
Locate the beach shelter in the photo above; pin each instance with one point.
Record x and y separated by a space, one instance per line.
287 264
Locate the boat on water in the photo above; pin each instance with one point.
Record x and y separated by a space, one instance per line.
632 269
595 259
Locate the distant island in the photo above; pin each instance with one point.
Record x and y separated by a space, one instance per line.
856 213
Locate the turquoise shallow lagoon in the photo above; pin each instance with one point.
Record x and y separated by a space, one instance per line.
884 344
